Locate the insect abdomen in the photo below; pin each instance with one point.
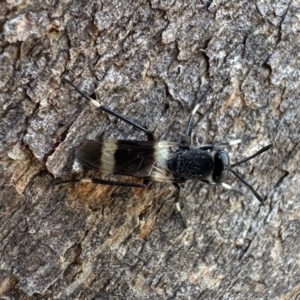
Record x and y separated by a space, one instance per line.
121 157
193 163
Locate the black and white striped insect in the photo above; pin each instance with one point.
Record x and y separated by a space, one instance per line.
162 161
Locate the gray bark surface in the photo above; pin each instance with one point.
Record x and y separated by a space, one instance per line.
152 61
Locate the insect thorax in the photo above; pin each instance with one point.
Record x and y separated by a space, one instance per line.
192 163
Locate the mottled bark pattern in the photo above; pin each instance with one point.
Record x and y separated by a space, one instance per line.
151 61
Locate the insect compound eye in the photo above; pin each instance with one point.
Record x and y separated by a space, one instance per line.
221 163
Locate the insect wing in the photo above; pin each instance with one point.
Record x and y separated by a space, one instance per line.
124 157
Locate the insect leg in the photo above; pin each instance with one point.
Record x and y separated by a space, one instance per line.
218 145
228 143
106 182
224 185
177 204
146 182
229 187
128 121
207 147
189 124
109 111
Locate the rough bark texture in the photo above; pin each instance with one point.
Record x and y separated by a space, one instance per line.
152 61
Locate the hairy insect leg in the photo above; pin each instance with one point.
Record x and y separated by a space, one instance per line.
105 182
109 111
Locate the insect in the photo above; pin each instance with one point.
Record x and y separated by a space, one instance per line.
162 161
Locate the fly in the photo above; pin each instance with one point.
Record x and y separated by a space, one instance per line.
162 161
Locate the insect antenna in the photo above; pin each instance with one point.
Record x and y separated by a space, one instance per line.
252 156
258 197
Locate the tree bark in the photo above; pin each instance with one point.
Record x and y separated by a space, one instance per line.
152 61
